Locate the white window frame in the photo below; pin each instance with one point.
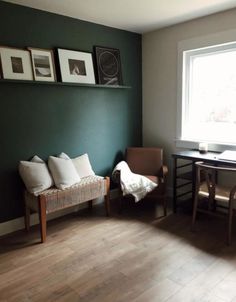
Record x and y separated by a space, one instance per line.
200 45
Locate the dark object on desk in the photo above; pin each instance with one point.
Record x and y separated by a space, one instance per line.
213 195
184 181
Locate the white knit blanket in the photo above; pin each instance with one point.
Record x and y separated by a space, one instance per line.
131 183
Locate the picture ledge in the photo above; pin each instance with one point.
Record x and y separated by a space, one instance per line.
63 84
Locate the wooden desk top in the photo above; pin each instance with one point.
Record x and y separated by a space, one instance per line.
210 157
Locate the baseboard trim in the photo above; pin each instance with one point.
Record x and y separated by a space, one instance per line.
18 223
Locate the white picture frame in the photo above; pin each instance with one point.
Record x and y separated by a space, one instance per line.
15 64
43 64
76 66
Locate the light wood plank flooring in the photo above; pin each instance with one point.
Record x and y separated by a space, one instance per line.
132 257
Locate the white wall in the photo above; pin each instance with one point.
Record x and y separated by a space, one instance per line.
160 77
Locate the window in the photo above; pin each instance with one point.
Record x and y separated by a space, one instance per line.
208 96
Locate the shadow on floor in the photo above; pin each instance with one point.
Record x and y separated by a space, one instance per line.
210 234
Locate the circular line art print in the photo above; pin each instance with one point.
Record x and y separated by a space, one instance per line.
108 66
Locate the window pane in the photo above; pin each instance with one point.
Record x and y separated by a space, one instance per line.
211 108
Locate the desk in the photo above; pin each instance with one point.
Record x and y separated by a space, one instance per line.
188 177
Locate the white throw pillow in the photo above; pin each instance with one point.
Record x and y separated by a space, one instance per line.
64 155
35 175
37 159
81 163
63 172
83 166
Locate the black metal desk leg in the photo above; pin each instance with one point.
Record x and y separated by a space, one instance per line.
174 185
193 181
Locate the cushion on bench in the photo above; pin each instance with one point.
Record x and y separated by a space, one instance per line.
88 188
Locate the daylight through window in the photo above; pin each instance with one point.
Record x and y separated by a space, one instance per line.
209 94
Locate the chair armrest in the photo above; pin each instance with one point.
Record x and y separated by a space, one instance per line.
163 174
164 171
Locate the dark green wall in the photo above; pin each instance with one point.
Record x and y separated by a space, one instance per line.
45 120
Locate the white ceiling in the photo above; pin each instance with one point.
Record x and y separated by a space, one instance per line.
134 15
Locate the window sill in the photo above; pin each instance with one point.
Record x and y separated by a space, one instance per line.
217 147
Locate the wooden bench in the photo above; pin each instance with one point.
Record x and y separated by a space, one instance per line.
53 199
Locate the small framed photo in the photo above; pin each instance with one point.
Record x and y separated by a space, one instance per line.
15 64
43 64
76 66
108 65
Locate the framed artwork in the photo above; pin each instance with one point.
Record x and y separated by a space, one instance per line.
108 65
15 64
43 64
76 66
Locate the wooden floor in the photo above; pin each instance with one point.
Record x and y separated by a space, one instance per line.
129 257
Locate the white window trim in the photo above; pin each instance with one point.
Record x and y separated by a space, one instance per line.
220 38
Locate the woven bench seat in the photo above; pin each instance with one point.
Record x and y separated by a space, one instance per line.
53 199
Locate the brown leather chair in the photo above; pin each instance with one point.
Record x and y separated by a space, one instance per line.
149 162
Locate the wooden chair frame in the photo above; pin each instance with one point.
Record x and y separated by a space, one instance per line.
210 174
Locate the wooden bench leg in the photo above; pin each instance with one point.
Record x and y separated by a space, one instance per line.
107 196
42 217
27 218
